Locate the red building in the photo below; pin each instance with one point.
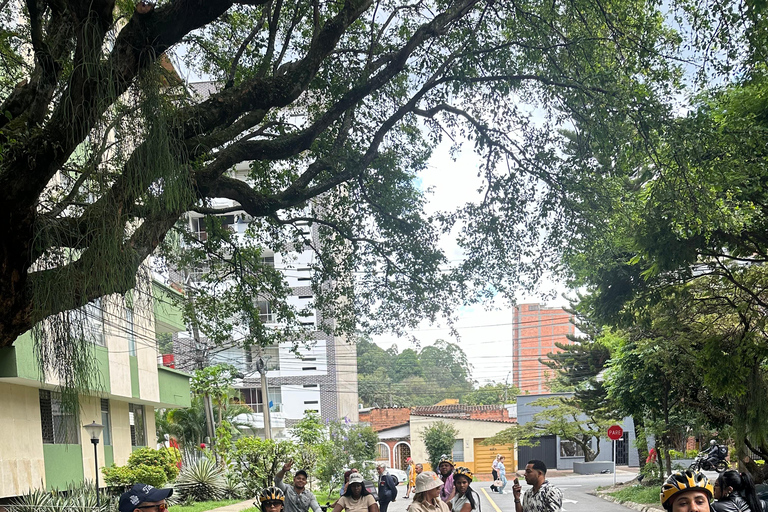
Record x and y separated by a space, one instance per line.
535 330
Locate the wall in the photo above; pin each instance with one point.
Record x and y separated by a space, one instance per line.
22 460
469 430
381 419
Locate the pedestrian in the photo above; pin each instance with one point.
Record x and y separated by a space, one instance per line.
735 492
542 497
445 467
419 468
410 471
495 472
356 498
143 497
387 486
686 491
502 470
297 497
427 494
271 499
465 499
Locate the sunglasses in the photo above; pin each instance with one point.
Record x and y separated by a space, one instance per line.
160 508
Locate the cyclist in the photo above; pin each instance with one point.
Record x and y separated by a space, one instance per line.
735 492
686 491
465 499
271 499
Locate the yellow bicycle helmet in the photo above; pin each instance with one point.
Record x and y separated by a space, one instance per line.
682 481
462 471
446 458
271 494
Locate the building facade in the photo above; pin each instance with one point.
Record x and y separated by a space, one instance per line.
536 329
43 444
321 376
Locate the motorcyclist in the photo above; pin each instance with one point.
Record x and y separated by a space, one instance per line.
715 453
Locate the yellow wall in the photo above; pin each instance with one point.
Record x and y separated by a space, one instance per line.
469 430
121 432
21 450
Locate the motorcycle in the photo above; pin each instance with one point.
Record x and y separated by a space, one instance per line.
702 462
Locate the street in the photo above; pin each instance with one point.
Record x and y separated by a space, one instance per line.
575 497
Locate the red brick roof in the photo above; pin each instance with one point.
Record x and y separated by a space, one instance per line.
496 413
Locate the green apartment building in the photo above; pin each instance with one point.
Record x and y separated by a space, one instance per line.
42 445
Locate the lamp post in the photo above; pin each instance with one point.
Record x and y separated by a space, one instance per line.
94 430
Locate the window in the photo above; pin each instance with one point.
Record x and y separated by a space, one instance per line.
310 385
106 422
458 450
275 399
308 368
266 314
268 261
570 449
310 402
382 452
272 357
88 323
131 332
138 428
59 426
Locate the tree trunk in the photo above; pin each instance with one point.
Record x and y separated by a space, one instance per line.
15 252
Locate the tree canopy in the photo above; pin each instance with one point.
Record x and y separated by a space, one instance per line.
331 109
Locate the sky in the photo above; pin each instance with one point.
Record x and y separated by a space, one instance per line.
485 330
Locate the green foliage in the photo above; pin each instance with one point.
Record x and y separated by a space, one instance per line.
204 506
411 378
560 416
438 439
80 498
491 394
256 461
309 429
638 494
346 446
145 465
202 480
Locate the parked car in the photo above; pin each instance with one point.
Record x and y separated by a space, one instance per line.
401 475
372 487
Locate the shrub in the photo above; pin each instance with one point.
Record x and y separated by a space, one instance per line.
234 487
147 466
258 460
438 439
80 498
201 481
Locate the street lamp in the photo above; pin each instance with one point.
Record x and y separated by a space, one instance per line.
94 430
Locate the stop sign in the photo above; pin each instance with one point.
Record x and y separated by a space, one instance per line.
615 432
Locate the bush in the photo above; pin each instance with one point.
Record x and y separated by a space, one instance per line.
438 439
146 466
257 461
201 481
73 499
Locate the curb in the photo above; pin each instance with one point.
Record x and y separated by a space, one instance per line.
629 504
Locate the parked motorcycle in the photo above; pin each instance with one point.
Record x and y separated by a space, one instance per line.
705 463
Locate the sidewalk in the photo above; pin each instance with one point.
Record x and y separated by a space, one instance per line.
236 507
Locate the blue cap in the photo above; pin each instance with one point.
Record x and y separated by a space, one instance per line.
142 493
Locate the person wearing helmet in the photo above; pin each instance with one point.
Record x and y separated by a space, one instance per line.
427 494
445 467
271 499
465 499
686 491
297 497
356 498
735 492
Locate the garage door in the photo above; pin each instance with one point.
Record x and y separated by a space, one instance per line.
484 456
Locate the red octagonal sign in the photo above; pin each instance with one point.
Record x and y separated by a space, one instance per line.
615 432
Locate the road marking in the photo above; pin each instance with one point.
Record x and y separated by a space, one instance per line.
493 504
569 501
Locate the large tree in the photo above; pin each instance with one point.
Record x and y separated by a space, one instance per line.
333 108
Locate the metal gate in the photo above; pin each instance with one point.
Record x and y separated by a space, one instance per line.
545 451
622 450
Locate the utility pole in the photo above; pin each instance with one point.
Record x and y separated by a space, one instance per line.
261 367
201 354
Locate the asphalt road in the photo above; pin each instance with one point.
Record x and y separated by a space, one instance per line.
575 497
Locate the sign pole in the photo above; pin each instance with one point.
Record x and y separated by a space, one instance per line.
614 434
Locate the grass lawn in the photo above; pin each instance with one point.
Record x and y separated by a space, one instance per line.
638 494
204 505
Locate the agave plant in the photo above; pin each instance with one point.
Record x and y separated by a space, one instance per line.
34 501
202 480
234 487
